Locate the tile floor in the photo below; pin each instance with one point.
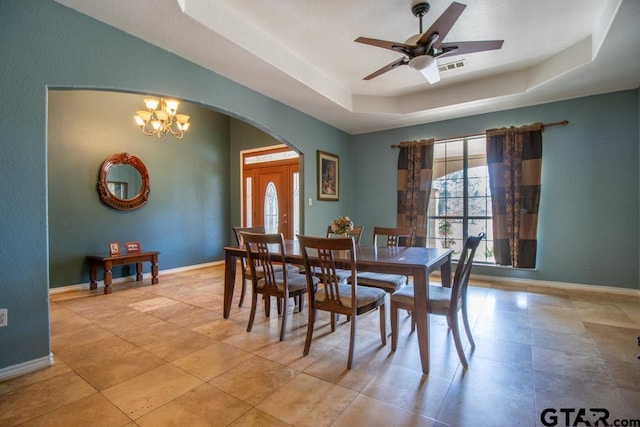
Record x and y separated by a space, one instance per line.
163 355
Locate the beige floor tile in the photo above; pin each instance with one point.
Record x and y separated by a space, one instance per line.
536 346
142 394
332 367
503 379
78 337
42 397
307 401
264 377
256 417
604 314
365 411
565 342
58 368
615 342
108 361
167 340
93 410
584 367
560 391
467 406
153 303
409 389
632 399
202 406
213 360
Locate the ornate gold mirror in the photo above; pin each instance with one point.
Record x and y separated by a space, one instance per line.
123 182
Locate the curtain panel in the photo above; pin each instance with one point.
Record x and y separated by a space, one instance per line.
514 157
415 170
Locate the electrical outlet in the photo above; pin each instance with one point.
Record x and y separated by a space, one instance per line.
4 317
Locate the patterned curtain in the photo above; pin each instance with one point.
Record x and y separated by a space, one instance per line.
514 157
415 169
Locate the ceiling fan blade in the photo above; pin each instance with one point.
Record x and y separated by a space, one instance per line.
395 46
443 24
394 64
459 48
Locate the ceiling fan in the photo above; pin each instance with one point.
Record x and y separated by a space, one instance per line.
420 51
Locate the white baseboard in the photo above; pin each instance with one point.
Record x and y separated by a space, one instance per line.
524 283
84 286
26 367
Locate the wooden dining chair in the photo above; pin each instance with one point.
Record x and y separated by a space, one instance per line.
331 295
269 280
394 236
443 301
356 233
246 273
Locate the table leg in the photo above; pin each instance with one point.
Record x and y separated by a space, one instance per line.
92 277
138 271
421 294
154 270
107 277
229 282
445 273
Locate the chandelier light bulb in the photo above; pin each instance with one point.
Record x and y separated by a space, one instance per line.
151 103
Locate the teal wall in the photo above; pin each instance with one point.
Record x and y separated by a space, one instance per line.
588 221
188 178
45 45
316 217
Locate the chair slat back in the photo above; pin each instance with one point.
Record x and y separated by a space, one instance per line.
237 231
396 236
320 253
259 247
463 270
355 233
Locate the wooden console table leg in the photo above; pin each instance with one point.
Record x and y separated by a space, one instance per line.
138 271
154 270
92 276
107 277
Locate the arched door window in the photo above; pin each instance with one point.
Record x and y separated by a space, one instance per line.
271 208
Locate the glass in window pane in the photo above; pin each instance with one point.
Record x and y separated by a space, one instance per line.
477 146
454 206
271 209
296 203
248 208
478 206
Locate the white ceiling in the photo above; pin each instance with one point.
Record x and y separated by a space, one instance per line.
302 52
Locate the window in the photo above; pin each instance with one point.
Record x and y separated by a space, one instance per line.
460 203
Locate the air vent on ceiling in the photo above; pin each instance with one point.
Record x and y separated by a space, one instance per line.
451 65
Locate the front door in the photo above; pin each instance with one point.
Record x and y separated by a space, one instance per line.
271 196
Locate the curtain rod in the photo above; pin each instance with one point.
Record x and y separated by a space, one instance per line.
544 125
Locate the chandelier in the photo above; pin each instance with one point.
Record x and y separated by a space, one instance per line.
161 117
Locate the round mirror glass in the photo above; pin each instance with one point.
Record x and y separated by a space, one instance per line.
123 182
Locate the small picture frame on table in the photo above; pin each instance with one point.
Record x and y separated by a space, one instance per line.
132 247
114 248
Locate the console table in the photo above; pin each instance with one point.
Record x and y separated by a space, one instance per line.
107 262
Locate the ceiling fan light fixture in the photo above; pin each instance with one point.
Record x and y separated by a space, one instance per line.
426 64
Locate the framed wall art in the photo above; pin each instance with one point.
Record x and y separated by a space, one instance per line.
328 176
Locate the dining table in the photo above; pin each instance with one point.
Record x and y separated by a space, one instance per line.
417 262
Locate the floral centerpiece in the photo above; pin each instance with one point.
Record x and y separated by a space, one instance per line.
342 225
